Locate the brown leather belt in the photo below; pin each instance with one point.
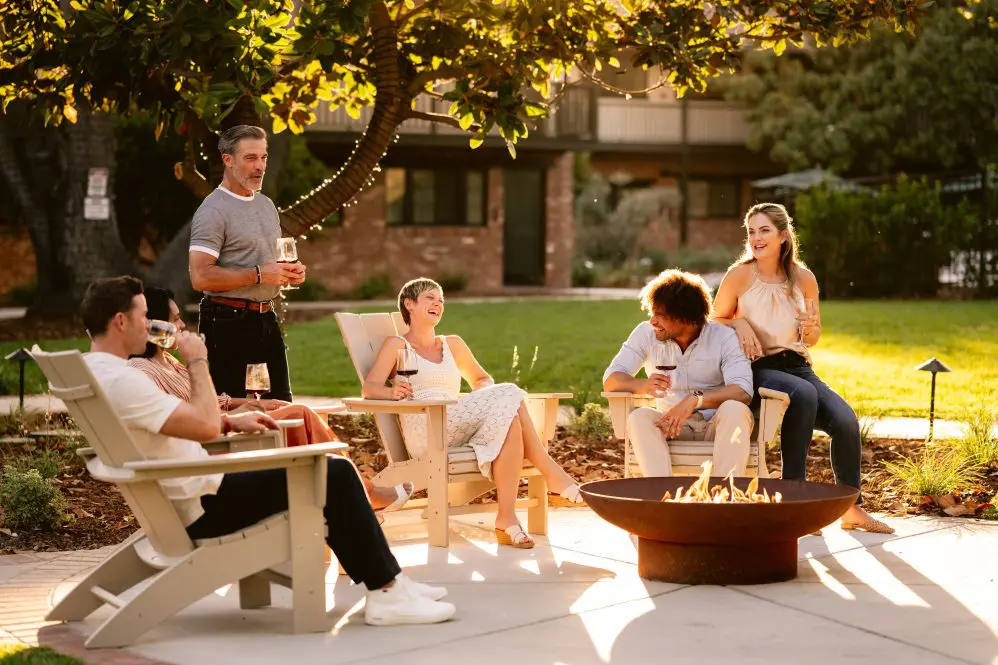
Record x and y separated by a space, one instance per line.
239 303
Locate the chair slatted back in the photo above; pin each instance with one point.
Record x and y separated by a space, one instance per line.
72 381
363 335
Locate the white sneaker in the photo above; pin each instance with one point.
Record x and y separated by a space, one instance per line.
401 604
420 589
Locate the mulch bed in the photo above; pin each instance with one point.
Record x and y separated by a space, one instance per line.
100 516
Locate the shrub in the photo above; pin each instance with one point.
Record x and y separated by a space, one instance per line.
936 472
891 242
45 461
867 421
29 501
310 290
592 425
583 273
452 283
374 287
979 445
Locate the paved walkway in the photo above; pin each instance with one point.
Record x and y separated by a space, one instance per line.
927 595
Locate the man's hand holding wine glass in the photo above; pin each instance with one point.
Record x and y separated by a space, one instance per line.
657 384
191 347
282 274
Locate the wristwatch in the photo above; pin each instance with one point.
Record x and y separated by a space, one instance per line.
699 395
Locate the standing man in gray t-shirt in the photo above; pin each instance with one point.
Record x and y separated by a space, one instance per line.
232 260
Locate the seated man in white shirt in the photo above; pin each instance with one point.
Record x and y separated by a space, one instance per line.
704 386
165 427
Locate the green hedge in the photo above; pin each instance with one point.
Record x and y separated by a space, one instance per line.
885 243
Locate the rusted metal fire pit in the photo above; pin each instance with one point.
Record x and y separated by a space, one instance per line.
723 543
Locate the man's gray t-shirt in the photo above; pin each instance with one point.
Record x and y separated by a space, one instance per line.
241 232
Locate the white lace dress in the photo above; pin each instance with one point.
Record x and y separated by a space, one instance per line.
480 419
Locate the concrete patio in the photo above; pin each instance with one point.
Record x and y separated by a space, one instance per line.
926 595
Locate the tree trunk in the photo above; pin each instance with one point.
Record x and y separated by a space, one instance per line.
171 269
50 292
90 248
390 106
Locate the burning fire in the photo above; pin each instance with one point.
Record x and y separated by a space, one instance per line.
700 493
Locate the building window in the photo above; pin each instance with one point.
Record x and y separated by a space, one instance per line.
438 197
714 199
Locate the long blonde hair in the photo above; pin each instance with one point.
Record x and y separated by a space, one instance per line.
790 260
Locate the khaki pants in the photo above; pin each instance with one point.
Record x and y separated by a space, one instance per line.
730 429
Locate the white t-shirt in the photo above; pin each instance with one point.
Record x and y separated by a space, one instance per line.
144 408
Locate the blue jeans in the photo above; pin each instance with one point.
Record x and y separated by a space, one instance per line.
813 405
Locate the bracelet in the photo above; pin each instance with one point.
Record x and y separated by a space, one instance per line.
197 360
259 275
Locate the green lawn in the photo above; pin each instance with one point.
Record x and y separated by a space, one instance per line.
868 350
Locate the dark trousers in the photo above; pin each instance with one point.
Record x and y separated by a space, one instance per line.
237 337
354 535
813 405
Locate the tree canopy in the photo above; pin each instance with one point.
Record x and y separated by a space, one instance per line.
894 102
202 65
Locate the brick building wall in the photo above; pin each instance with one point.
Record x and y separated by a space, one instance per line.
19 257
341 258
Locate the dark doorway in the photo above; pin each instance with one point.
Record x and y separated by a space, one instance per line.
523 236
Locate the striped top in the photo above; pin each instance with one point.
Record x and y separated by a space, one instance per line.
174 380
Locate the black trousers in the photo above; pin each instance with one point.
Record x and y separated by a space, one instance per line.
237 337
354 535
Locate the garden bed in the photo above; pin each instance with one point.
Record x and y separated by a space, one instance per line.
97 515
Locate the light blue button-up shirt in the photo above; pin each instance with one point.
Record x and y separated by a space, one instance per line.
713 360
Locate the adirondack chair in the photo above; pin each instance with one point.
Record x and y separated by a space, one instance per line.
449 475
287 548
687 456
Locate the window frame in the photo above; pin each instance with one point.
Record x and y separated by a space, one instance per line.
408 206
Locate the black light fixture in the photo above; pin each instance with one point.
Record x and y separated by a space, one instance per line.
21 356
934 366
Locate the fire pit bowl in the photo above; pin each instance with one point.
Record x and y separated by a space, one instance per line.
722 543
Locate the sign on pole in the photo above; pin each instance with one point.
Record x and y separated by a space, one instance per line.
97 182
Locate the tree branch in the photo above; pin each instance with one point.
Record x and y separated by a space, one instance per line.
187 171
440 118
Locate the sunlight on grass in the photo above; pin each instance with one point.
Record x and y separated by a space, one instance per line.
867 352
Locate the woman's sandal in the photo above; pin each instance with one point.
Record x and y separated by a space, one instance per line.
571 496
870 526
403 492
514 536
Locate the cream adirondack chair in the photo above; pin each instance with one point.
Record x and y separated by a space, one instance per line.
286 549
449 475
687 456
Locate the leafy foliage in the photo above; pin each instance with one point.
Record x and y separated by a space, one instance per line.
980 445
890 242
29 501
895 102
934 473
592 425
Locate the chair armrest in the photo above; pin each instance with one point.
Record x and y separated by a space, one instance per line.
240 442
550 395
769 393
614 394
326 409
358 404
774 405
250 460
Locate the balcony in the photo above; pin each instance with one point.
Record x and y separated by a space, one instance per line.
589 121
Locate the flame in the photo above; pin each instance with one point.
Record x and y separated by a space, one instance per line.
700 493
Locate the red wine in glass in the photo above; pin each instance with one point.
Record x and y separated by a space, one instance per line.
665 368
406 372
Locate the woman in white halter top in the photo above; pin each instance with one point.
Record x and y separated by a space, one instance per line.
492 419
764 298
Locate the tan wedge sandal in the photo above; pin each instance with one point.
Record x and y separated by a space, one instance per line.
515 536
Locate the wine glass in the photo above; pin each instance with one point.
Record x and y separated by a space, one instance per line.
257 379
666 360
162 333
405 364
287 252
